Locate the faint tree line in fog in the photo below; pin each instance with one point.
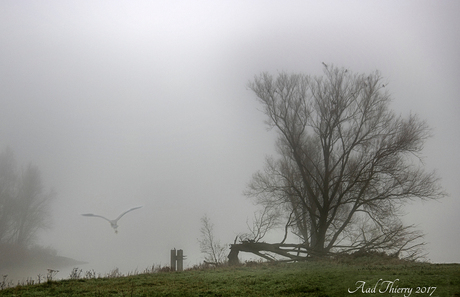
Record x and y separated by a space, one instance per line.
24 204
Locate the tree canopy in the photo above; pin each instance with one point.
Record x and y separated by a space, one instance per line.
347 163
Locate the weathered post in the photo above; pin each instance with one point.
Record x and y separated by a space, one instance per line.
180 260
177 260
173 260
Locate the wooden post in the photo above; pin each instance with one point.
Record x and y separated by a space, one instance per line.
177 260
180 260
173 260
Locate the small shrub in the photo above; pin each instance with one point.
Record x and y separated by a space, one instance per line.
51 273
165 269
75 273
114 273
90 274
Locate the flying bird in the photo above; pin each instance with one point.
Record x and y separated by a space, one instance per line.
113 223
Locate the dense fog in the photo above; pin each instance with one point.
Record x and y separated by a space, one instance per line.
145 103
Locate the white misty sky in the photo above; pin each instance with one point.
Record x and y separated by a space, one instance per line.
133 103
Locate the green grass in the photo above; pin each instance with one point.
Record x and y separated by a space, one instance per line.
322 278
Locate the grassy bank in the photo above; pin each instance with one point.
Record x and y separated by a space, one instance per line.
297 279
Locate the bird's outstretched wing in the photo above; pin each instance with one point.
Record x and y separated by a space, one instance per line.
93 215
119 217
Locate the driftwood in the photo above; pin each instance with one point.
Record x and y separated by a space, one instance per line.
293 252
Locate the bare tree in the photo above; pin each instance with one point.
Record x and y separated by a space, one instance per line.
347 162
24 205
31 207
215 253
